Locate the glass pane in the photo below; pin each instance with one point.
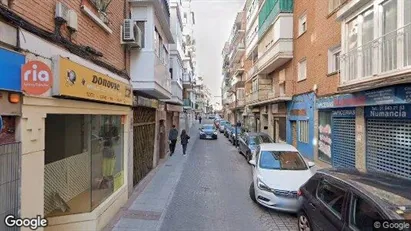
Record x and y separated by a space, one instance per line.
332 196
281 161
352 34
363 214
324 136
67 165
367 37
107 156
389 41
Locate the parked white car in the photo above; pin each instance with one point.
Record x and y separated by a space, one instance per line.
279 171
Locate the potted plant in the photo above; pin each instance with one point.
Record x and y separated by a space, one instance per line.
102 6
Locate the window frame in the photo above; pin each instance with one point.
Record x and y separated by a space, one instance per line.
333 59
299 69
352 196
303 131
332 7
302 24
338 186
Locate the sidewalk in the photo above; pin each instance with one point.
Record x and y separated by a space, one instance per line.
146 207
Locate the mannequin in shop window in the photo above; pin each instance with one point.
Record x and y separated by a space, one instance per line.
110 135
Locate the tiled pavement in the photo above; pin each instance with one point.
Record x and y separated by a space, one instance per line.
145 209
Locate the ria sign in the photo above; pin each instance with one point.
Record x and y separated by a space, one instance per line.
36 78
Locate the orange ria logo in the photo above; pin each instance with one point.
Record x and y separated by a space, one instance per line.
36 78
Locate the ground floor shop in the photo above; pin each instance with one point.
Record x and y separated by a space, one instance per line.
75 136
368 130
300 123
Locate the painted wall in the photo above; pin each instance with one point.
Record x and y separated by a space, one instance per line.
302 102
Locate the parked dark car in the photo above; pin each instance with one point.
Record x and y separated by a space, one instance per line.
232 134
222 125
227 129
349 200
211 117
249 141
208 131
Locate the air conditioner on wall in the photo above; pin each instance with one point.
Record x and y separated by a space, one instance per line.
131 34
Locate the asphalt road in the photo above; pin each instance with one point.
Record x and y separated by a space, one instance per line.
212 194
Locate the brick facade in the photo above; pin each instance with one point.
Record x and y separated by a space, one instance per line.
41 14
323 32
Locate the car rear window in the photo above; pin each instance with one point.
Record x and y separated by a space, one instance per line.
266 139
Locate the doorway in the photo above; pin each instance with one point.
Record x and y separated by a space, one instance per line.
162 140
294 133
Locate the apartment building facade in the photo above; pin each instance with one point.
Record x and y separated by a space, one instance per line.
73 127
375 65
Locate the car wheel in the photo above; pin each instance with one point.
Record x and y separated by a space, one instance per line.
252 193
303 222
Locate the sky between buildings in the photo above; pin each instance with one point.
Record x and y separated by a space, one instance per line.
214 20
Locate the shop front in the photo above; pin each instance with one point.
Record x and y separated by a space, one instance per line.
373 130
10 146
300 124
173 116
75 139
144 136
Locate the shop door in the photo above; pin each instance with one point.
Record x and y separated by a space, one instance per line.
143 142
274 134
294 134
388 146
343 142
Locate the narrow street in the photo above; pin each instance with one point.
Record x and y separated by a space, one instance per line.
212 193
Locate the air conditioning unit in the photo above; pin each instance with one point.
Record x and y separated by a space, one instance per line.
62 11
131 34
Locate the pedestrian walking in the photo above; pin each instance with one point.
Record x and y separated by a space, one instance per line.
199 119
172 139
184 140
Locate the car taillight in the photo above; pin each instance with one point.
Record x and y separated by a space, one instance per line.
299 193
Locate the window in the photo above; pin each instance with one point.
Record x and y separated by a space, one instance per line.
141 26
254 87
282 161
302 70
334 59
161 50
165 55
362 214
303 131
302 24
83 162
331 196
156 43
334 4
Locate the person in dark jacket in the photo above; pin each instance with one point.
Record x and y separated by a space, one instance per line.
184 140
172 139
199 119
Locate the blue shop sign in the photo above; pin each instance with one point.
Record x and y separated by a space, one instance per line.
10 66
389 111
391 95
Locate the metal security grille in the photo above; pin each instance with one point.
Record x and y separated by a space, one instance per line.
343 142
389 146
9 183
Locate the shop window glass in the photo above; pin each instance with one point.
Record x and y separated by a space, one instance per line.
83 162
324 136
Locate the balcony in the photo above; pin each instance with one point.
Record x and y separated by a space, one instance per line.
187 81
238 53
252 97
269 12
268 96
252 72
381 62
188 104
176 93
276 46
150 75
162 12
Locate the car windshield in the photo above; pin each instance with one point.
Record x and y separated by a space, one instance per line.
208 127
282 160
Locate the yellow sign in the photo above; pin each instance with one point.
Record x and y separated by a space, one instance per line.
75 80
